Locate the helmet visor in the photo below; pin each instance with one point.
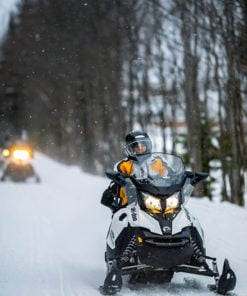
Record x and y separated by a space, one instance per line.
138 147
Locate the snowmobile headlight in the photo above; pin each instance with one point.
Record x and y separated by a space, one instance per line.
5 152
21 154
152 203
172 202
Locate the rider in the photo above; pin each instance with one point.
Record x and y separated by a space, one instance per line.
137 143
139 163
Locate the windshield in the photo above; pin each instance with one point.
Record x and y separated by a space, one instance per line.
158 173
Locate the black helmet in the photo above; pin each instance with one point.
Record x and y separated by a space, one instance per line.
134 139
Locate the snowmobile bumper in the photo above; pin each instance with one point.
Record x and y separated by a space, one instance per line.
19 172
164 252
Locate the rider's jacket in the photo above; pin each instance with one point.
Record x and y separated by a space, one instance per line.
131 167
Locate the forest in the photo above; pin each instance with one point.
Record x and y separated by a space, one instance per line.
76 76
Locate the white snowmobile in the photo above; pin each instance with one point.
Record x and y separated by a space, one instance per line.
155 235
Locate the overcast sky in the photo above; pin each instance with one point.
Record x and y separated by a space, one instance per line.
6 6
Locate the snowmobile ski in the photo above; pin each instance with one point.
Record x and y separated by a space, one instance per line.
113 282
226 282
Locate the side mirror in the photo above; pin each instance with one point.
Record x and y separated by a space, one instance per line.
196 177
189 174
117 177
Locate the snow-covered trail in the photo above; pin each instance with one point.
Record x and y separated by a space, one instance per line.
52 237
49 234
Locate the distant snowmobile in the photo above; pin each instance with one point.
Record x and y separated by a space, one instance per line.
18 166
155 235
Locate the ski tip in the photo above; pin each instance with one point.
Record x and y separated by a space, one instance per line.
108 291
227 280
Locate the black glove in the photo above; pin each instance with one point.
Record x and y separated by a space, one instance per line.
116 204
107 198
110 197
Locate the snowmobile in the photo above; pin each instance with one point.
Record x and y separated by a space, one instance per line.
155 235
18 166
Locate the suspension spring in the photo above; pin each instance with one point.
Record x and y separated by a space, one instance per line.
129 250
197 252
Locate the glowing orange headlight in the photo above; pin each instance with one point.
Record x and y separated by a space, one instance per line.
21 154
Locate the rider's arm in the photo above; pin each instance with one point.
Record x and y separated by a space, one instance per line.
114 196
109 197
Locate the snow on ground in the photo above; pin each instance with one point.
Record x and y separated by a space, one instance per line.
52 237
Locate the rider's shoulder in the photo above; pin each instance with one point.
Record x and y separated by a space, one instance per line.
122 164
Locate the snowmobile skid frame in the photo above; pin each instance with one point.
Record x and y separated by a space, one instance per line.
223 284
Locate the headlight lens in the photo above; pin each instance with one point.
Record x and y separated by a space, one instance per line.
172 202
5 152
156 205
152 203
21 154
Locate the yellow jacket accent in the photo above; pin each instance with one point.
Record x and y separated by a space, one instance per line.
126 167
158 167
